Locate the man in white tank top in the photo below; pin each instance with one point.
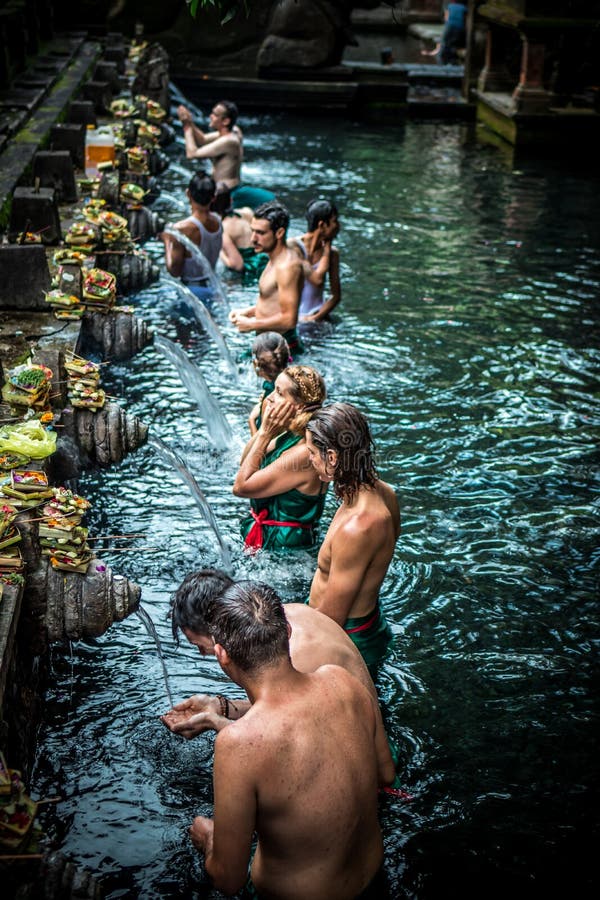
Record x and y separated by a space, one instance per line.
204 229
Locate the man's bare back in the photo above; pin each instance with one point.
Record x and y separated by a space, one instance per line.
309 796
355 554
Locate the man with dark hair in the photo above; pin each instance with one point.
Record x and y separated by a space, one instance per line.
204 229
315 640
359 544
224 145
301 768
280 284
320 260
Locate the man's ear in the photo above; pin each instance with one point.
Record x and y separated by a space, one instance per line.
222 655
289 630
280 234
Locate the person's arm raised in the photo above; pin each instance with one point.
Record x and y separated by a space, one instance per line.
291 470
212 145
351 551
334 286
174 253
230 255
226 840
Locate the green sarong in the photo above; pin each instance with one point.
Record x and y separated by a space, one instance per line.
254 263
371 634
293 340
285 521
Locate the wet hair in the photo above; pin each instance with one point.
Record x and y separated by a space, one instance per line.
275 213
202 188
319 211
248 620
343 428
275 344
231 111
192 598
307 388
221 203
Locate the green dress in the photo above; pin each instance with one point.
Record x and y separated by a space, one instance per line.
268 388
293 516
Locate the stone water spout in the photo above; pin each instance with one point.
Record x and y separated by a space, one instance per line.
118 336
76 607
106 435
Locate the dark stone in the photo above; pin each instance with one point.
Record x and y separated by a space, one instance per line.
22 98
143 223
82 111
152 75
24 276
118 55
133 271
107 71
100 94
71 137
70 280
36 211
54 168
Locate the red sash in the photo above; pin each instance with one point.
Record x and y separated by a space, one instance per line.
254 539
366 624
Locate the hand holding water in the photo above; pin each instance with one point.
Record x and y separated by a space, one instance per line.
194 716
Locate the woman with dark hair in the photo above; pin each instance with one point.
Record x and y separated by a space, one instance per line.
286 494
270 356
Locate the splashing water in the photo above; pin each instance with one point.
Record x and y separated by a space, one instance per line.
207 270
206 321
149 625
204 506
219 429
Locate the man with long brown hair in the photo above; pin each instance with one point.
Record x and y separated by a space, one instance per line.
359 544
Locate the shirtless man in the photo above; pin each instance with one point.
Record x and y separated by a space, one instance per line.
281 282
315 640
204 229
320 260
301 768
359 544
222 144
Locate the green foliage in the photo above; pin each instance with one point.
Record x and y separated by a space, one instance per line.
228 8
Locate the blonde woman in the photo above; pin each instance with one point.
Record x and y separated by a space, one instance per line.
286 494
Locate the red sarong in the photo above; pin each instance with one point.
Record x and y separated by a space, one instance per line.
254 539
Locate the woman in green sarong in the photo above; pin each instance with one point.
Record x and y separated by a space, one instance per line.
270 356
286 495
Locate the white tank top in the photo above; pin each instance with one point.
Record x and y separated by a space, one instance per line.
210 245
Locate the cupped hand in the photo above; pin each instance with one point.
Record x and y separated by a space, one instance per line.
189 726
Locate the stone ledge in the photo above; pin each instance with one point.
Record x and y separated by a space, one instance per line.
17 155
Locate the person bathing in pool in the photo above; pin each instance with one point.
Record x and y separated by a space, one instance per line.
286 493
270 356
359 545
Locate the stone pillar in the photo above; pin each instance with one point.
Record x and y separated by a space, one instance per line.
530 95
495 77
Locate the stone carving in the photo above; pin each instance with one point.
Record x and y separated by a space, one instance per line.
152 75
117 336
81 606
306 34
